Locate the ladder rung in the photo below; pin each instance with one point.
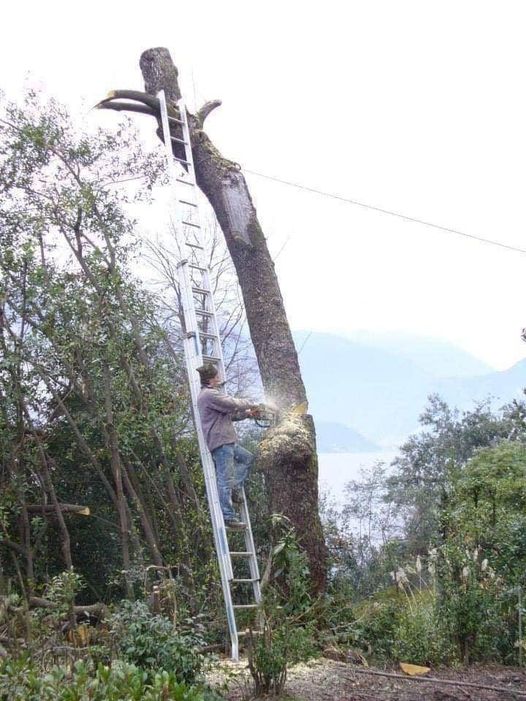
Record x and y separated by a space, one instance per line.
210 359
182 180
241 553
174 119
179 141
189 223
246 606
237 581
205 334
200 290
182 160
204 312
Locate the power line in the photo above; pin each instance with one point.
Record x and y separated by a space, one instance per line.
385 211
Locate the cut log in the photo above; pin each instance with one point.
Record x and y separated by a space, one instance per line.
50 510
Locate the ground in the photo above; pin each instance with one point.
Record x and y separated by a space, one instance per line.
328 680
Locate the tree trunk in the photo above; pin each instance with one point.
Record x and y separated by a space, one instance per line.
112 445
289 452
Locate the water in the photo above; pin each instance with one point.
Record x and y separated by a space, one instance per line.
336 469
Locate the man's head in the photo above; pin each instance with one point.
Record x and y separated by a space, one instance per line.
209 375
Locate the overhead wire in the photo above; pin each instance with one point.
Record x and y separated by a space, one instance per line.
374 208
382 210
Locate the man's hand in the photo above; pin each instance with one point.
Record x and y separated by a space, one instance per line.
253 412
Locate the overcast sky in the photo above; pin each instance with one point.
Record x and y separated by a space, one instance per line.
413 106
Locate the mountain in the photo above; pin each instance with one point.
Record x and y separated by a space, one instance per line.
333 437
435 356
371 390
380 392
499 386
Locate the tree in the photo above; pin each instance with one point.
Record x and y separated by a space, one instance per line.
92 411
288 453
429 460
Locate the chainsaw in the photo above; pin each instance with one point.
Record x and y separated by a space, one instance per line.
268 415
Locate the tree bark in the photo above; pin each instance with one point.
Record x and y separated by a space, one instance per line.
289 454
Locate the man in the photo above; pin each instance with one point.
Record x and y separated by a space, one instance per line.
232 462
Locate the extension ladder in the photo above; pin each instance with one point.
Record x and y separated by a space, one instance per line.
202 344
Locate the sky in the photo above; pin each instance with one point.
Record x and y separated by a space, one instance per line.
412 106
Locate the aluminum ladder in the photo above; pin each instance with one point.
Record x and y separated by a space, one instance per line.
202 344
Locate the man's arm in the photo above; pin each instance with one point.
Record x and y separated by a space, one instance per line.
247 413
225 404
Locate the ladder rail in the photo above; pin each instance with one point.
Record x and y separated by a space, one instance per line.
196 340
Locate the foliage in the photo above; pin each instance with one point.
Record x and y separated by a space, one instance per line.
152 642
273 650
449 526
487 507
93 401
364 536
61 591
420 634
287 618
20 679
468 603
401 623
430 459
483 555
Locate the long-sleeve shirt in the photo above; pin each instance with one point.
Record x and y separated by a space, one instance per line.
217 412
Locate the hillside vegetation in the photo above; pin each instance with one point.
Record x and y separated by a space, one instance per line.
109 586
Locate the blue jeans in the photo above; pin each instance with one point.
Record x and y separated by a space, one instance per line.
233 464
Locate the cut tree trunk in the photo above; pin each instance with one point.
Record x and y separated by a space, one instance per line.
288 452
290 456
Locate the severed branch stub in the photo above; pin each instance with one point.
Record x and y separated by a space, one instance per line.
50 509
205 110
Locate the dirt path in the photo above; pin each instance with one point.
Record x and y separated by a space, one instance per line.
328 680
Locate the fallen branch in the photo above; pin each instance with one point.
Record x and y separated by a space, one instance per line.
50 509
98 609
436 680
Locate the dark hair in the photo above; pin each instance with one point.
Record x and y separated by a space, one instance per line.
207 372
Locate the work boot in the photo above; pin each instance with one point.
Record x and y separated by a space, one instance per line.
234 523
237 497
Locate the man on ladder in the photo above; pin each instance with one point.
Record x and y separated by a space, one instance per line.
232 462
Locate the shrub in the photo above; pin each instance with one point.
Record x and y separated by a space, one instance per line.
121 682
470 596
374 629
420 635
151 642
288 622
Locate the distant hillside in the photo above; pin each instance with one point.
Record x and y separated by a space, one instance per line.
432 355
338 438
380 393
500 386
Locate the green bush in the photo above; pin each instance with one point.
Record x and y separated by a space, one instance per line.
151 642
375 627
470 603
121 682
288 616
273 651
420 636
